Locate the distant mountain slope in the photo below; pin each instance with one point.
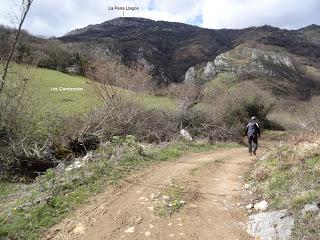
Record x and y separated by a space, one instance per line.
172 48
312 33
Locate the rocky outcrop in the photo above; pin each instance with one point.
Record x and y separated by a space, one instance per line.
244 60
270 225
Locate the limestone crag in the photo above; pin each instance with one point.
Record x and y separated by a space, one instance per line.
244 60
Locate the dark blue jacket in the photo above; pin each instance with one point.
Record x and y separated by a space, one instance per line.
255 127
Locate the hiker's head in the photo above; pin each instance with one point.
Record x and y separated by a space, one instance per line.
253 119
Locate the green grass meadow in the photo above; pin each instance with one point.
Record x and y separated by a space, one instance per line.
42 81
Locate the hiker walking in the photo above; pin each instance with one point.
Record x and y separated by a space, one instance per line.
253 133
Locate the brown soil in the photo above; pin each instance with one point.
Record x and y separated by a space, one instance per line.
212 183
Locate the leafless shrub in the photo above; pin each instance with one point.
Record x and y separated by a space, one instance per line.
232 107
110 78
113 82
19 141
225 109
120 87
156 125
110 120
163 91
131 119
261 174
13 104
308 117
188 95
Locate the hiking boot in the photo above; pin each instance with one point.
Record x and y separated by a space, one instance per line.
254 153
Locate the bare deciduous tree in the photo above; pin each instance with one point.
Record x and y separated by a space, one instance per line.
116 83
188 95
26 5
308 115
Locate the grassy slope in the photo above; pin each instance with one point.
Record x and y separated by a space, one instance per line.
313 36
41 81
220 83
313 72
68 103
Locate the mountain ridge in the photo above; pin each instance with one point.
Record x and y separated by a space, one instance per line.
171 48
141 20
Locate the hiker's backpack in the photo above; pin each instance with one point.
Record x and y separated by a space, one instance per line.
252 129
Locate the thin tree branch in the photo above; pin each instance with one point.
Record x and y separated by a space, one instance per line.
26 4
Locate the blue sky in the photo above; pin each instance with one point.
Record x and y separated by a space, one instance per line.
56 17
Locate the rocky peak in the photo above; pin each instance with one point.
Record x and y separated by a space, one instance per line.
311 27
128 21
244 60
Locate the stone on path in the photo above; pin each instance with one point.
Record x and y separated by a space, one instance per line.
130 230
261 206
79 229
186 135
249 206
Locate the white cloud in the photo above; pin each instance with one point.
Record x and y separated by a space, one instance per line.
56 17
245 13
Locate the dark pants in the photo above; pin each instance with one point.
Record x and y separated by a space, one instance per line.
252 143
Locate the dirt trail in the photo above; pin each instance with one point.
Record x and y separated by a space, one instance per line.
214 206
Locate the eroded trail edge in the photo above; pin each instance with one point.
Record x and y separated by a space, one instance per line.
211 184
